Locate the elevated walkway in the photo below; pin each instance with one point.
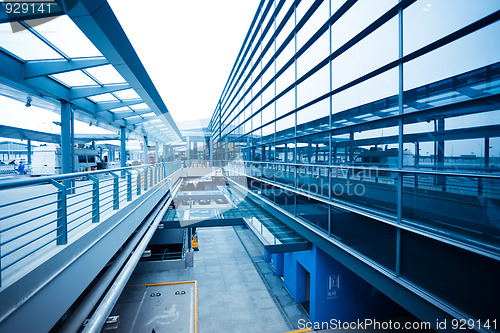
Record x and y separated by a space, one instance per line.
85 226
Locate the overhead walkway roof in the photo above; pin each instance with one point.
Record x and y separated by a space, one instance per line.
83 57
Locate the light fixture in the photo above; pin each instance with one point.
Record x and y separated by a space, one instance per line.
28 102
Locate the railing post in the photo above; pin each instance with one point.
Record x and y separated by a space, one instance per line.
116 197
138 182
145 178
129 185
62 214
96 217
151 179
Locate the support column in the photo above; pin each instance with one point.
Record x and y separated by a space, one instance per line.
188 148
145 150
157 152
29 153
210 149
66 140
123 148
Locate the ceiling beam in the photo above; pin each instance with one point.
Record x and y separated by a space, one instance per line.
37 68
106 106
87 91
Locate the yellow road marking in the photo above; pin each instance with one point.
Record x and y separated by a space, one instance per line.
300 331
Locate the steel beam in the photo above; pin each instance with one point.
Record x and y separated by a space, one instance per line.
87 91
106 106
37 68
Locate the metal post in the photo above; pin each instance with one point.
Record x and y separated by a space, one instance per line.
62 214
29 153
151 178
116 198
188 148
145 151
145 178
95 199
66 141
138 182
129 185
157 152
123 148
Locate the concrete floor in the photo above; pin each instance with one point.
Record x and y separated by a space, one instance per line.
232 295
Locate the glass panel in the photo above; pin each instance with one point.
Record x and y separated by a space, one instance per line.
315 86
139 106
285 127
313 211
127 94
452 205
443 269
315 22
374 51
24 44
103 98
285 103
314 55
372 238
377 90
106 74
62 30
74 79
423 21
362 14
469 53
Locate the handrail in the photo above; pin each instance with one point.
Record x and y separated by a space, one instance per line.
41 219
46 179
373 168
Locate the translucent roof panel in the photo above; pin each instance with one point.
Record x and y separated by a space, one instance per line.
121 109
24 44
74 79
106 74
103 98
139 106
67 37
127 94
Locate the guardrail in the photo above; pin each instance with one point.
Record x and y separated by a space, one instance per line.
7 169
36 213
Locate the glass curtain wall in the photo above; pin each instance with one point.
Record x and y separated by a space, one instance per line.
388 108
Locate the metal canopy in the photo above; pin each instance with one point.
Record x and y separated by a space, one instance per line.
25 134
107 85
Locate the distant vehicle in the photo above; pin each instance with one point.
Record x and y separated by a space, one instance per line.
204 201
186 202
47 160
152 158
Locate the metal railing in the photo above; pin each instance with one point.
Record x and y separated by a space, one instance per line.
37 214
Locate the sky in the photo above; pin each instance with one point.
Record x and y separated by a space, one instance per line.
187 47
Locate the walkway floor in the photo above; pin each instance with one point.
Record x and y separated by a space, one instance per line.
232 296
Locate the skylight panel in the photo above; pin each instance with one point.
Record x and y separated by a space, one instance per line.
127 94
67 37
103 98
106 74
24 44
74 79
139 106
